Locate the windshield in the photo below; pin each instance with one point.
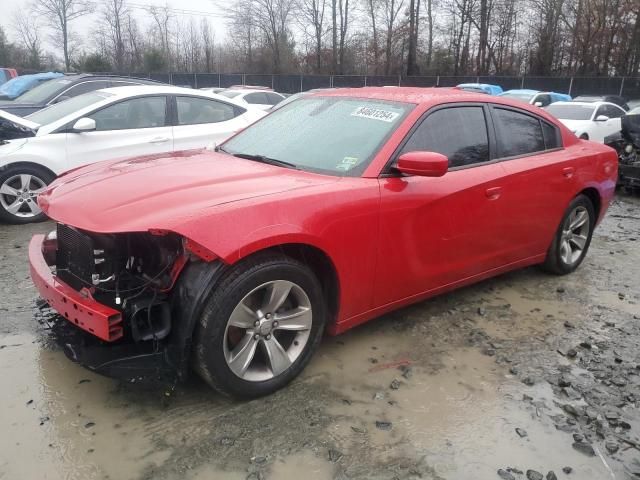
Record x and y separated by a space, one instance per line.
42 92
571 112
229 94
59 110
525 97
335 135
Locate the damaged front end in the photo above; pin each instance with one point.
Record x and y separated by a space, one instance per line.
127 301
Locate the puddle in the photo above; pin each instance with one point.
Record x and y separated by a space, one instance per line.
53 423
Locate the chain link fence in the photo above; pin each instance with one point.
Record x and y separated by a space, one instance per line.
628 87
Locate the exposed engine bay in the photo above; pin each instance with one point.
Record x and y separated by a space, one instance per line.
10 131
131 272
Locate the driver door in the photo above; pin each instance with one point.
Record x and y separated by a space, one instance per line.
129 128
438 231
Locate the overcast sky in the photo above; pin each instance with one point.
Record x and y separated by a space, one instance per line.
182 9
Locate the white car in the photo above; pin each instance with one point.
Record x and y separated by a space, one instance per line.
262 99
588 120
106 124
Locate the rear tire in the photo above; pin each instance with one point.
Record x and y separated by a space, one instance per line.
260 326
19 188
572 240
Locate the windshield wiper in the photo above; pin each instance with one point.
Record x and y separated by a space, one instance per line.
264 159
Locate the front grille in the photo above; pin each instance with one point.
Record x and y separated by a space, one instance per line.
75 262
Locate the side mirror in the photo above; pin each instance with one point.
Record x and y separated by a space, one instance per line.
602 118
84 124
538 104
423 164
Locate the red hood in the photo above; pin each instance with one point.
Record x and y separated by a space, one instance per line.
163 191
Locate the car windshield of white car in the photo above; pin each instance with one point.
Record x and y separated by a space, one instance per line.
42 92
334 135
60 110
571 112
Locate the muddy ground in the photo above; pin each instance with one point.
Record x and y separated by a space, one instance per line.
511 378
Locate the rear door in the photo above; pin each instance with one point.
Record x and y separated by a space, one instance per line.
132 127
436 231
540 183
200 122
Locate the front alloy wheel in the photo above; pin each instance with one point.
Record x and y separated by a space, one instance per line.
260 326
268 330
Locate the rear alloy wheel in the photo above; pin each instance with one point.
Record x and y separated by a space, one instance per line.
19 189
573 237
260 326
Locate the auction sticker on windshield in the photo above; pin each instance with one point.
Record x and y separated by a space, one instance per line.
375 114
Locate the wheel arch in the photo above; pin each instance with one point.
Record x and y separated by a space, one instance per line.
25 163
593 195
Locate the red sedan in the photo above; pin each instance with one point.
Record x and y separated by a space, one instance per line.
333 210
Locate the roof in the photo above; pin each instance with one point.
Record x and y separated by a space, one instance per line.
162 89
587 103
415 95
130 90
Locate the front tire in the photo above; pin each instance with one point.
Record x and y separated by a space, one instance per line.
19 188
260 327
572 240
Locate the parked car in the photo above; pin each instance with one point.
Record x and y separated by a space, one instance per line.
106 124
626 143
263 99
22 84
324 214
535 97
7 74
588 120
615 99
63 88
481 88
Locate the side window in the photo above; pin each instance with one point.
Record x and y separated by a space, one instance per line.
518 133
85 87
613 112
273 98
459 133
145 112
256 98
601 111
551 135
192 111
544 99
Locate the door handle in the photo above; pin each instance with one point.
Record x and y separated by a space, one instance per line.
568 171
159 140
493 193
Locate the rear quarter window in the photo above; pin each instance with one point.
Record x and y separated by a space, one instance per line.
517 133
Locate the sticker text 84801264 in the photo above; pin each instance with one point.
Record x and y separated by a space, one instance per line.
375 114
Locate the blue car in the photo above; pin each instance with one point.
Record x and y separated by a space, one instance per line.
19 85
536 97
481 88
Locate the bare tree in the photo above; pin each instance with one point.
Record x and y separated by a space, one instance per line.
208 41
392 9
59 14
27 27
113 17
312 13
